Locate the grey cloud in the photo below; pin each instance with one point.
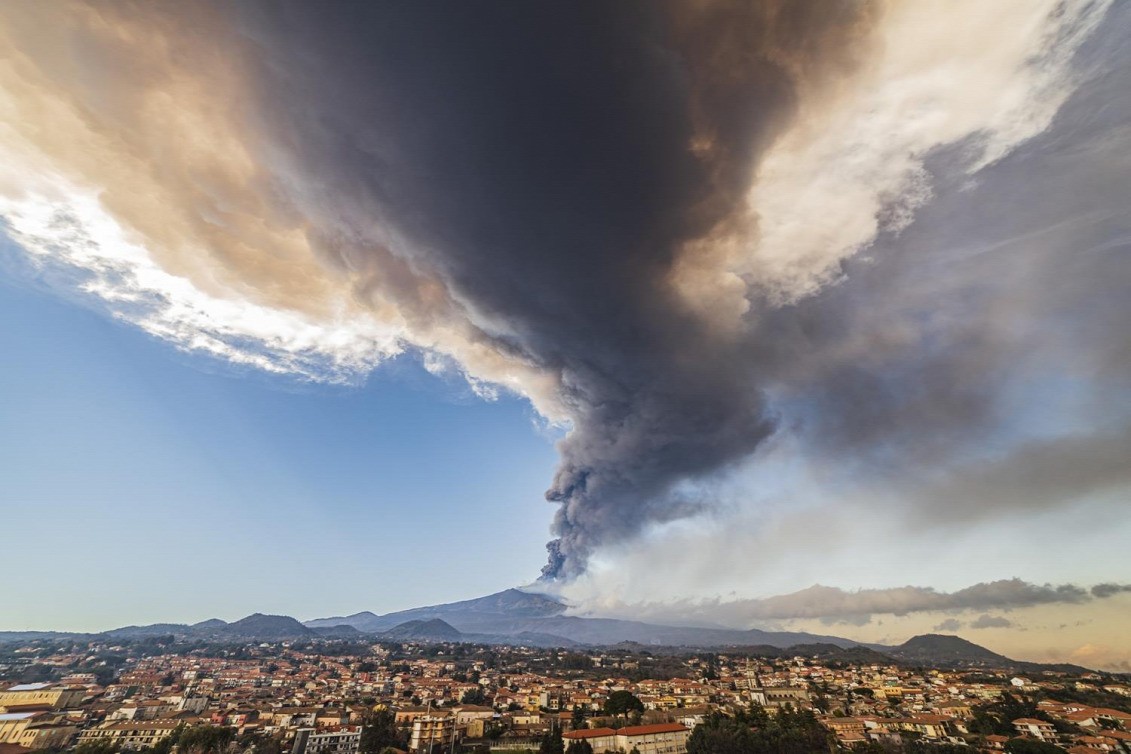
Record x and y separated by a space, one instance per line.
991 621
833 605
950 624
820 601
1000 303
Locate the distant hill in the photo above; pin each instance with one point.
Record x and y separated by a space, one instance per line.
423 630
22 636
260 626
142 632
945 649
338 632
207 625
858 654
255 626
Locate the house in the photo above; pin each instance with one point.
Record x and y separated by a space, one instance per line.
601 739
131 735
928 726
35 730
844 726
53 696
433 730
1039 729
661 738
341 740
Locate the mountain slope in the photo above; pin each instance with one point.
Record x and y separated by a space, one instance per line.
423 630
483 614
512 612
260 626
944 649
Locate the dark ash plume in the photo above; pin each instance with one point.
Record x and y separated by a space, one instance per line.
550 162
647 217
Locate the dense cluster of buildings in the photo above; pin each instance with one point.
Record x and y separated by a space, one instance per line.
314 701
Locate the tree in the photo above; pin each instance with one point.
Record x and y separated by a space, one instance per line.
255 741
1031 746
923 747
474 696
204 739
623 702
789 732
552 743
997 718
494 730
379 731
96 746
579 746
721 735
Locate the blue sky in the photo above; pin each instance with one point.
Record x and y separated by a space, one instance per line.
133 470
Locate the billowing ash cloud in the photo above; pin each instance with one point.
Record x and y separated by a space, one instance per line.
675 227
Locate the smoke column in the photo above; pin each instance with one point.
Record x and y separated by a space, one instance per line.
642 216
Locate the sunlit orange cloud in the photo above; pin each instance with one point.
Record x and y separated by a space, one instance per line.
131 152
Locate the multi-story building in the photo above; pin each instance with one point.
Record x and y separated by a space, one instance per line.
601 739
35 730
1039 729
340 740
663 738
41 695
131 735
432 732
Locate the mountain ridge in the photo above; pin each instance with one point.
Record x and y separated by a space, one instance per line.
512 611
516 617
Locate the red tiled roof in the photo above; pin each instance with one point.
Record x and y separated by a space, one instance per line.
589 733
643 730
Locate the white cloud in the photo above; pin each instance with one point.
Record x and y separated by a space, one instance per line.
71 230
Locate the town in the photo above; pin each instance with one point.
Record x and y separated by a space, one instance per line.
163 694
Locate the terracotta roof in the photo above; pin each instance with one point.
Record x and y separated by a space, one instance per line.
1080 715
644 730
589 733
